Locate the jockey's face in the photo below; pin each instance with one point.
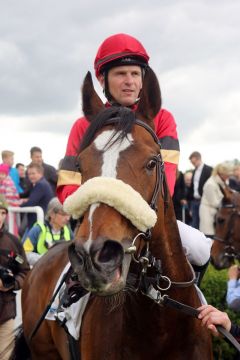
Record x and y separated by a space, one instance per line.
124 83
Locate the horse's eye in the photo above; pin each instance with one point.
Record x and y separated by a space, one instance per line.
220 220
151 164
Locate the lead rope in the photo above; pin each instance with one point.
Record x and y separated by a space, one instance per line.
165 300
189 310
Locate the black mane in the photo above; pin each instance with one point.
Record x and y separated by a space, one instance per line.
123 120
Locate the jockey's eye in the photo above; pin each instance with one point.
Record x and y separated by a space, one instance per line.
151 164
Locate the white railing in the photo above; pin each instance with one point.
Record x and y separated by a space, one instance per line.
28 209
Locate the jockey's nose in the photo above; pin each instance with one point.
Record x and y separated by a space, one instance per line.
108 256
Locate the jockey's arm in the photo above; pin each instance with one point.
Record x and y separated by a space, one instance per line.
196 245
69 177
166 131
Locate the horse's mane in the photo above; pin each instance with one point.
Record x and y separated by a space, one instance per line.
124 117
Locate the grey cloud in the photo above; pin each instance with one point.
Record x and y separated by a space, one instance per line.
46 48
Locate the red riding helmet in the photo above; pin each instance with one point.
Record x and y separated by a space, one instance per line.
117 50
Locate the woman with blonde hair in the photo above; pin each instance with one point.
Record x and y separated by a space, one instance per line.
212 197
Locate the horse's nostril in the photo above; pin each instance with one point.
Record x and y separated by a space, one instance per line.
111 251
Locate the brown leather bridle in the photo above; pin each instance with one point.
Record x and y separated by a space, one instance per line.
161 183
148 260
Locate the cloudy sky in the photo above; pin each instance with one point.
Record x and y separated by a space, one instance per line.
46 48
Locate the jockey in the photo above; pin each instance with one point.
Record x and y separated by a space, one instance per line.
120 65
120 52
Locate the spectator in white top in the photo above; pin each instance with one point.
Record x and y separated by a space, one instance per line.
212 197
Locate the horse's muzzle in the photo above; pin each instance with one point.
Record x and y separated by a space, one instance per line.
100 269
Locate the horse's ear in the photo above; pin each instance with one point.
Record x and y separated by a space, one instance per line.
227 193
91 102
150 100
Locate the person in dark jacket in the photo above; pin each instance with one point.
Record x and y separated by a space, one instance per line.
24 181
50 173
179 197
13 270
40 194
200 175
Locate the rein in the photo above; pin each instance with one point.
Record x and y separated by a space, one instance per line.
149 286
165 300
153 292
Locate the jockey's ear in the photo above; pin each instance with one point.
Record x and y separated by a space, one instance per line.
91 102
101 80
150 98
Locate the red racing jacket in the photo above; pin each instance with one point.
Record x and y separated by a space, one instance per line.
69 177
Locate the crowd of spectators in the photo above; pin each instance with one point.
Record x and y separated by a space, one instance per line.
24 186
197 192
196 197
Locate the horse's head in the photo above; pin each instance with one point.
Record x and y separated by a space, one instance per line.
226 247
121 169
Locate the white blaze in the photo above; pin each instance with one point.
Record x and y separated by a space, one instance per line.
111 155
109 167
88 243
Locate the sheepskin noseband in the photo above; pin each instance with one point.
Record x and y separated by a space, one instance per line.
115 193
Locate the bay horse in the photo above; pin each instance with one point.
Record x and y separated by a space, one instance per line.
126 250
226 245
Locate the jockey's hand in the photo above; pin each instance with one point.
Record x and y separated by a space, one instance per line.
210 316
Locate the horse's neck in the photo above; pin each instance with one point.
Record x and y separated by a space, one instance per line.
167 246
